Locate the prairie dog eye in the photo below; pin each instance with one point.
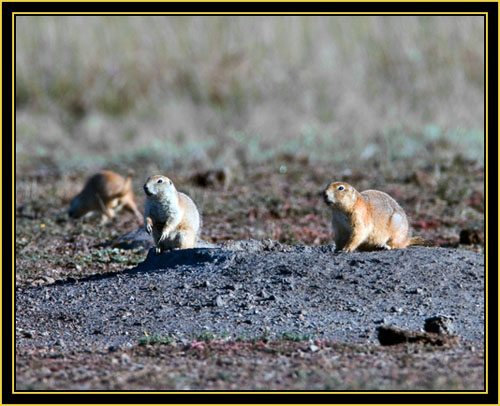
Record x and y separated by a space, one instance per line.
159 181
341 188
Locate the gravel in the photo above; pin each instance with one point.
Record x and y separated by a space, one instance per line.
250 289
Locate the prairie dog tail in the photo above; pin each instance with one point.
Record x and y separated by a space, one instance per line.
420 241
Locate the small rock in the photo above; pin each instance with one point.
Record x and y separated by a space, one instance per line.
283 270
60 343
27 333
313 348
469 237
45 371
395 309
213 177
439 324
270 245
263 294
219 301
48 279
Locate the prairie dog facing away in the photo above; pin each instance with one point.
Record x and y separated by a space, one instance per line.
367 220
171 217
105 192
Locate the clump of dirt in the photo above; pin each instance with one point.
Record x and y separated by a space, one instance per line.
393 335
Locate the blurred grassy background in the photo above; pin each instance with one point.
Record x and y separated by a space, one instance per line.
212 91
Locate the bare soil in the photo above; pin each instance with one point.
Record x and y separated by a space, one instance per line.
209 300
264 302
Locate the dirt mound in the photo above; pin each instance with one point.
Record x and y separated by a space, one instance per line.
245 289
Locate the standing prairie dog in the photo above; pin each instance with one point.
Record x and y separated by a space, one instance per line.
367 220
171 217
105 192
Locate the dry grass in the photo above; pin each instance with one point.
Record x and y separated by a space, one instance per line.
229 90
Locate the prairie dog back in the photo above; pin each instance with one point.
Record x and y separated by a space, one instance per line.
105 192
370 219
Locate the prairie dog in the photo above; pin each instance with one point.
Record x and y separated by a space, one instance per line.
367 220
171 217
105 192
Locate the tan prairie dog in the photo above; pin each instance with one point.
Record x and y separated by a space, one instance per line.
367 220
171 217
105 192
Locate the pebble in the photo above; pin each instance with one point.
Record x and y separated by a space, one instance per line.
27 333
219 301
334 306
313 348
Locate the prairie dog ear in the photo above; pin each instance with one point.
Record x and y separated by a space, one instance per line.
353 193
